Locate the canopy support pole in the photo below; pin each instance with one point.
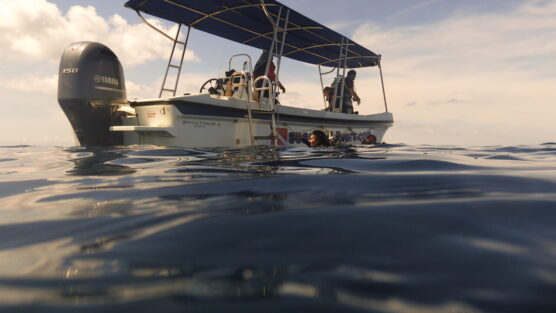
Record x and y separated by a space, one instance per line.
276 50
322 87
153 27
343 57
321 74
382 82
282 44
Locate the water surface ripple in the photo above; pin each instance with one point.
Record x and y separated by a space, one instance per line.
389 228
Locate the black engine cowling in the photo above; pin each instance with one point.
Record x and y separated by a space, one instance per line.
90 86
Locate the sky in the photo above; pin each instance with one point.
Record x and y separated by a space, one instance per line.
468 73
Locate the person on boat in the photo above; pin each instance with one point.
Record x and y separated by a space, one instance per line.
351 94
317 139
348 95
260 68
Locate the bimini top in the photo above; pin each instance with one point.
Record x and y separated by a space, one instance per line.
245 22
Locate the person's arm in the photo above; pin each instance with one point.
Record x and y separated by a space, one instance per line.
354 96
272 76
282 87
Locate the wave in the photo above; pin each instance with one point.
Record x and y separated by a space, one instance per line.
350 229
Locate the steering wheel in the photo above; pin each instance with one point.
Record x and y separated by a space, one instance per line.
211 84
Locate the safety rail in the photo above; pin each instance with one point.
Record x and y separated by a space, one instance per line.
268 85
241 55
242 83
247 86
247 70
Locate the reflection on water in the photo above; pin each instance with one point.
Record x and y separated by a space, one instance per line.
389 228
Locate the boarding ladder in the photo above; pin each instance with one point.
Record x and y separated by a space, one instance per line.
275 54
267 86
339 90
243 82
172 66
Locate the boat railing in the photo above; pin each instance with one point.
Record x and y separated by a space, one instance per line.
259 92
245 68
268 87
245 77
239 86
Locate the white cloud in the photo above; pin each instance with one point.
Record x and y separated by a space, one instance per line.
37 31
189 83
468 79
490 75
414 7
142 91
47 84
469 43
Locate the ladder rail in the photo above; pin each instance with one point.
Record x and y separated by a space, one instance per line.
276 50
270 57
279 56
170 65
272 52
343 57
336 81
246 84
181 60
162 89
343 88
276 115
268 86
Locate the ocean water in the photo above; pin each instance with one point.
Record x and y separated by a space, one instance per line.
387 228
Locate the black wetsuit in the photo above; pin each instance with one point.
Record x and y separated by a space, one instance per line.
347 106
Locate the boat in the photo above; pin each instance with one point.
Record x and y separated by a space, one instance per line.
238 110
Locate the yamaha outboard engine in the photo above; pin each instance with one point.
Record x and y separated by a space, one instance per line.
90 86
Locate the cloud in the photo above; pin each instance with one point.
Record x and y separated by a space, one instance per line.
450 101
415 7
37 31
48 85
42 84
189 83
489 75
495 70
516 40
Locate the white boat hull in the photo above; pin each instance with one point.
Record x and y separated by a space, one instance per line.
212 121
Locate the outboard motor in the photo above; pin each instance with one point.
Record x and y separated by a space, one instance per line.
90 86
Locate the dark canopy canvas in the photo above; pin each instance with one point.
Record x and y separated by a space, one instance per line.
245 22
